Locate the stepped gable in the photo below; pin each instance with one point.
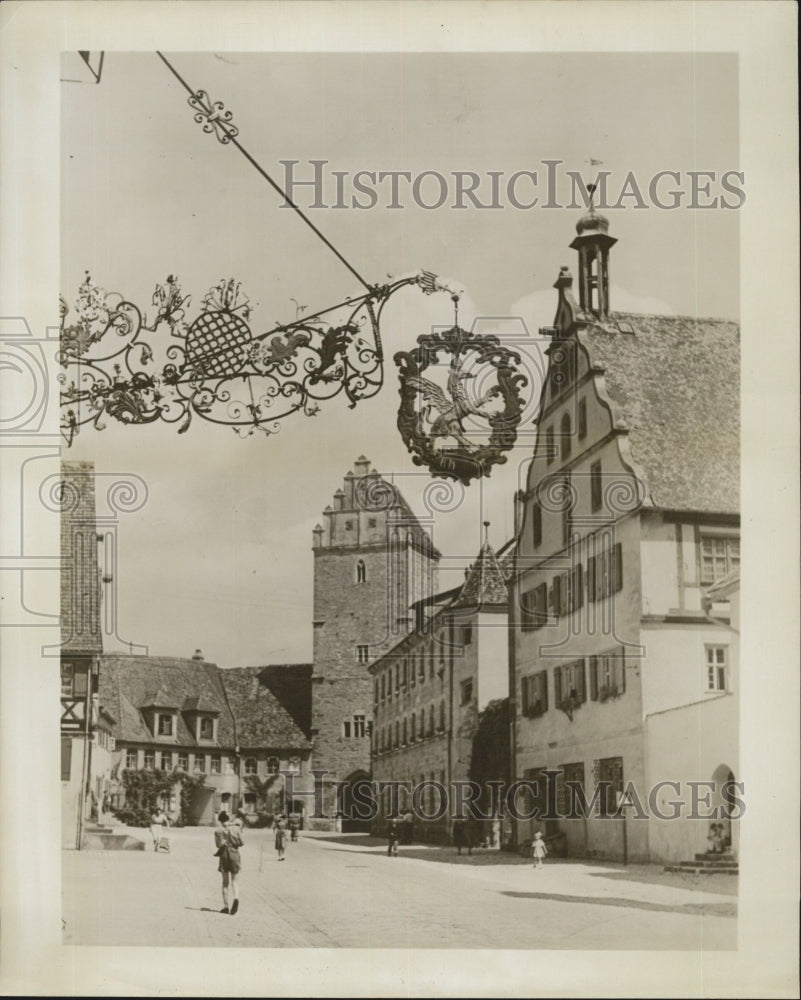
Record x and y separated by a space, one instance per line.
129 684
261 719
674 384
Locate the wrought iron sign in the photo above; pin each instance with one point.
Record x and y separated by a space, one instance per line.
459 422
119 365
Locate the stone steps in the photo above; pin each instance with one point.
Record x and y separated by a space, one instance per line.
101 841
707 864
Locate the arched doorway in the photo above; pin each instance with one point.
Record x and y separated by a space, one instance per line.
721 800
348 809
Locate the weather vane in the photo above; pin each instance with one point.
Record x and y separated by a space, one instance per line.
120 365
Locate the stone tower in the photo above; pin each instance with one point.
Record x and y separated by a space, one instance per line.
372 561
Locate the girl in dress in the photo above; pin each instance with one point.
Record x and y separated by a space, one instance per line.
538 850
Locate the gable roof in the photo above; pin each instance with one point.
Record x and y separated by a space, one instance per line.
130 683
674 383
261 719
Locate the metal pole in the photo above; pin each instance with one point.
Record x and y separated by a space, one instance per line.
85 762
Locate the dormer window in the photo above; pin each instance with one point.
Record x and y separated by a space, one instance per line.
206 729
165 725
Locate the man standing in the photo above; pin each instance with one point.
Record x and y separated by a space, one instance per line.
393 835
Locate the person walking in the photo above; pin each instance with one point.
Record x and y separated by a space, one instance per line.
293 828
538 850
228 838
280 838
393 835
158 820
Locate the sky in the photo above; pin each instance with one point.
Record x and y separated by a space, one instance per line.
219 557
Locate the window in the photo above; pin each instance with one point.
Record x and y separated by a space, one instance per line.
412 672
405 674
720 554
566 434
207 729
536 524
596 501
200 763
608 674
716 668
375 693
166 762
405 733
534 694
561 369
66 680
421 669
250 765
131 759
348 525
534 608
582 418
568 683
397 677
215 765
605 573
441 727
358 727
361 572
371 522
467 635
383 686
550 445
183 761
567 592
609 774
568 784
165 725
363 654
466 691
346 729
431 721
150 760
273 765
413 734
396 740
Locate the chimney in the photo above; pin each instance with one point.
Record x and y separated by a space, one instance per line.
198 655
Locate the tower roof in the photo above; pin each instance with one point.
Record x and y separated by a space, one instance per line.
486 581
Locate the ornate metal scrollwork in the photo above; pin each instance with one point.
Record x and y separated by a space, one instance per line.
118 365
458 431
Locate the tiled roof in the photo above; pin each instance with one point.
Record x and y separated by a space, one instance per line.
128 684
261 719
485 583
674 381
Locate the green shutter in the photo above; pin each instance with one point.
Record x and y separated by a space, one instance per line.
618 582
594 678
557 596
582 685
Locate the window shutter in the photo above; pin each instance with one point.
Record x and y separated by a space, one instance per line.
582 680
557 685
591 578
578 587
557 596
620 670
544 689
542 605
594 678
524 695
618 582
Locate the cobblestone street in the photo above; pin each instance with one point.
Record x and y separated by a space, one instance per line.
343 891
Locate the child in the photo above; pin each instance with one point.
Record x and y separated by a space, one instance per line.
280 838
538 850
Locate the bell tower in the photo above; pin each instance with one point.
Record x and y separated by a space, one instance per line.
593 243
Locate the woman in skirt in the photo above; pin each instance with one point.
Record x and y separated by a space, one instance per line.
280 838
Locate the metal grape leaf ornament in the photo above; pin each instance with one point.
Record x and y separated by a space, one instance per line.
459 413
